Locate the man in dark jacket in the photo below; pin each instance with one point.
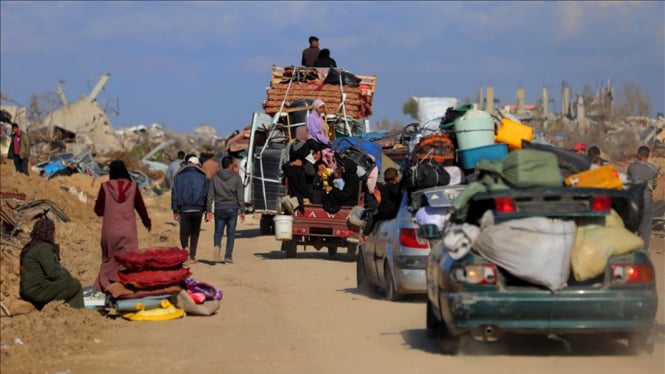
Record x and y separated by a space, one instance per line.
188 201
226 191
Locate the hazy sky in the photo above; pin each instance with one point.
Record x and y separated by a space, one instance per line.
186 63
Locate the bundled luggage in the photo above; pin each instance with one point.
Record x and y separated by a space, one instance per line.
536 249
424 174
437 147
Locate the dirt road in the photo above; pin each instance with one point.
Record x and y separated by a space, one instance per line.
304 315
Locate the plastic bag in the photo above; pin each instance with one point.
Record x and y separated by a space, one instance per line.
596 243
534 249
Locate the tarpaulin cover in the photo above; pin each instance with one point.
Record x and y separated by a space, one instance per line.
152 278
364 144
535 249
152 258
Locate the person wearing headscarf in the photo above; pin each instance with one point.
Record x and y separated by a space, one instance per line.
316 129
116 201
43 278
324 60
348 195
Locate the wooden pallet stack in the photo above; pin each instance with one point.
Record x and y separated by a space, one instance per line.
358 103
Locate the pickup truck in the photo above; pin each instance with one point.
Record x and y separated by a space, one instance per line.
473 296
316 227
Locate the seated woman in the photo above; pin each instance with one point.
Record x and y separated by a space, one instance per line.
348 195
43 278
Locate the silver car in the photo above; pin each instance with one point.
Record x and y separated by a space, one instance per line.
394 258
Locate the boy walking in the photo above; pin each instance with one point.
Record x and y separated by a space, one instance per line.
226 191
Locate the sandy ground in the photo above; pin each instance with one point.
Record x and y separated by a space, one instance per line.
278 315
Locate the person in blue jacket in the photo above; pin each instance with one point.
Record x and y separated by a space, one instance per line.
188 202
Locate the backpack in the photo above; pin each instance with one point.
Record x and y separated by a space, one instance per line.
437 147
425 174
359 157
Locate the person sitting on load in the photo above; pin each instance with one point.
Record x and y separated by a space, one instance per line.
318 134
390 193
347 196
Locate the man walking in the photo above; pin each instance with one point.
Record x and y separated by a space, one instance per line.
309 55
19 149
188 201
642 171
226 191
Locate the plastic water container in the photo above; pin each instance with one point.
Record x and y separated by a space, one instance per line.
469 157
512 133
474 129
283 227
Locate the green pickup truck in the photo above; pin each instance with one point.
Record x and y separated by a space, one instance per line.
472 295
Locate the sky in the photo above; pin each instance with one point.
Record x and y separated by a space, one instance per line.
181 64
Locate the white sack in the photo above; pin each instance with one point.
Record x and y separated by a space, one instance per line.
535 249
432 109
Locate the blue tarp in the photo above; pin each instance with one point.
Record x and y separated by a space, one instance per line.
364 144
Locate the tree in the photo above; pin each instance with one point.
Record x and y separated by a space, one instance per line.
410 107
40 105
632 101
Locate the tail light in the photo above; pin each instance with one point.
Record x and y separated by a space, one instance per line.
601 203
632 273
504 205
344 233
476 274
408 237
299 230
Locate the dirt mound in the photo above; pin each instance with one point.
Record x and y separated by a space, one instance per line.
58 329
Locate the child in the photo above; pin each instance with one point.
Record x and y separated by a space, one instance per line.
390 198
338 181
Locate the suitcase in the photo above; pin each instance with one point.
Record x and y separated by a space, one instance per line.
604 176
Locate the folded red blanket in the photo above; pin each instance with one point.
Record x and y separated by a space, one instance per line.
152 278
152 258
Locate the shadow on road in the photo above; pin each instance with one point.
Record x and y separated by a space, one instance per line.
417 339
524 345
248 233
279 255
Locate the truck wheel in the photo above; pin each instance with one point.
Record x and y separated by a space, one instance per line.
362 281
332 250
289 247
389 286
642 342
267 225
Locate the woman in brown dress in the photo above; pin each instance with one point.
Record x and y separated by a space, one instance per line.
116 201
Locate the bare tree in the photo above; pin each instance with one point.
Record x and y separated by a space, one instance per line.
40 105
633 101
